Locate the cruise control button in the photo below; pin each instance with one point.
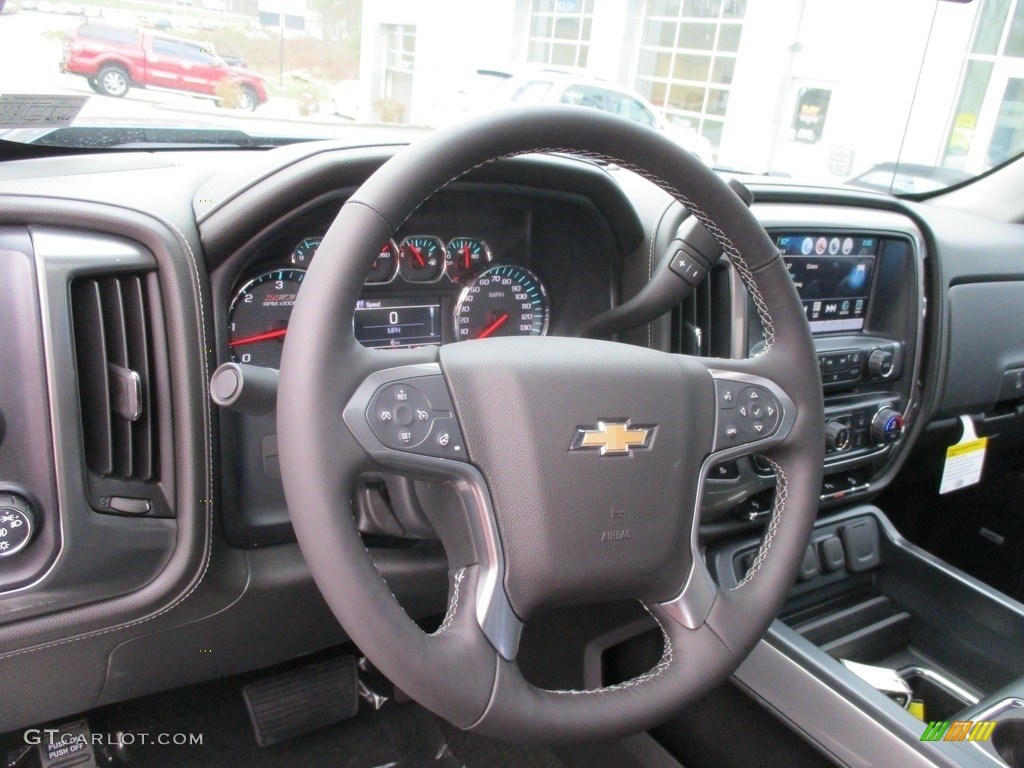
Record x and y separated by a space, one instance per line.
436 393
394 415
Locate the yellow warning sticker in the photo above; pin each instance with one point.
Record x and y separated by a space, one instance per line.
961 449
964 460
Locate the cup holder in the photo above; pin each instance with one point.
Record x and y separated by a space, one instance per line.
941 697
1008 740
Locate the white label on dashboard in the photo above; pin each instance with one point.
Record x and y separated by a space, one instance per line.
28 110
963 460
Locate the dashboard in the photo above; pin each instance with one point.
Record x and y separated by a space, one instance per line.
125 565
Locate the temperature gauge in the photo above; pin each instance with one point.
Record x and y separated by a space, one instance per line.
305 251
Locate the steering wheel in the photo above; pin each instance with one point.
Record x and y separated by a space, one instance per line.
571 469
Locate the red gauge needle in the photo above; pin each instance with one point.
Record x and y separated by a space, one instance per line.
420 261
493 327
465 255
258 337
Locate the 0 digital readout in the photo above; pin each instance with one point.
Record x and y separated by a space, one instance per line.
396 323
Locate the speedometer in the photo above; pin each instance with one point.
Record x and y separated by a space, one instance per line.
505 300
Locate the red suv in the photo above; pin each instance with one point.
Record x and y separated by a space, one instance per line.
113 59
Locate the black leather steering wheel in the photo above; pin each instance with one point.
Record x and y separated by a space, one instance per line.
573 467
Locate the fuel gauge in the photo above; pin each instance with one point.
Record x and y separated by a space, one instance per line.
422 258
466 257
385 266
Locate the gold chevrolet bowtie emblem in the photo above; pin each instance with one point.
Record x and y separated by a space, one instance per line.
613 437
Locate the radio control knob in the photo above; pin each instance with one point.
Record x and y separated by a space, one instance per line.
837 436
17 524
880 363
886 426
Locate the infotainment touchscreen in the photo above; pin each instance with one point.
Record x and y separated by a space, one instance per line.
832 274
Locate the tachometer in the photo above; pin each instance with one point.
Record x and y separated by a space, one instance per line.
258 317
505 300
385 266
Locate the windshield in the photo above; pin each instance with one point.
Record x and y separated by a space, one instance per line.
910 96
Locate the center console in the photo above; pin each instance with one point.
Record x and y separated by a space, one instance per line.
882 653
870 597
859 277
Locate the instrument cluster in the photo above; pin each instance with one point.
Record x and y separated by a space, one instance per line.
420 290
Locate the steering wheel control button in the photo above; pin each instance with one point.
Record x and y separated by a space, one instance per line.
758 411
728 393
393 415
417 416
445 441
17 524
727 470
746 413
687 267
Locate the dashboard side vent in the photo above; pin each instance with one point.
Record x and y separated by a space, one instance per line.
702 323
114 355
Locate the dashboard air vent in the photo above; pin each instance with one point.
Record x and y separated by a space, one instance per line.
114 356
701 325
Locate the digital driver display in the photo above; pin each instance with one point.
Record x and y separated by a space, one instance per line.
832 274
396 323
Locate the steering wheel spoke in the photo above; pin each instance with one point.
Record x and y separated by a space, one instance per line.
405 420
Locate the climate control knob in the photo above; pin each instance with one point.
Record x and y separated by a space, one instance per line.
886 426
17 524
837 436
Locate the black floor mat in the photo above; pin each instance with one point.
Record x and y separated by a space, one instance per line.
396 736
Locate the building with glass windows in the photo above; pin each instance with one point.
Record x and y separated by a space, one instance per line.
758 78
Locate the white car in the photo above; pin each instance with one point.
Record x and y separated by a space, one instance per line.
557 87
